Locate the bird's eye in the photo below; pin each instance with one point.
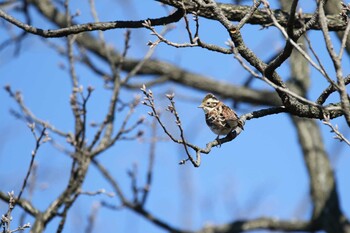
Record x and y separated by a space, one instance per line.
208 103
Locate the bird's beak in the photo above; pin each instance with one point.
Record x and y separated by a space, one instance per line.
200 106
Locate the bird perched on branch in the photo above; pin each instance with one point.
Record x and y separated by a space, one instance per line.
220 118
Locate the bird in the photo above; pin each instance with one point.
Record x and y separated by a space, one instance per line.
220 118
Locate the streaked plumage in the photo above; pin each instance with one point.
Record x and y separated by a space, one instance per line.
220 118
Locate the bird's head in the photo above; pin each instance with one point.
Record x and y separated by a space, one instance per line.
209 103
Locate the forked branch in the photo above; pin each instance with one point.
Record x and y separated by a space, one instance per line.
149 102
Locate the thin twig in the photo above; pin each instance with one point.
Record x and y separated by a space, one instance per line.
320 63
141 63
98 192
107 175
190 37
152 152
105 144
29 116
344 99
249 14
329 90
149 102
344 40
296 46
79 124
197 42
135 191
266 80
108 123
173 110
38 141
6 218
334 129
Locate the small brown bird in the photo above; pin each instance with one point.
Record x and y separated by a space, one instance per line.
220 118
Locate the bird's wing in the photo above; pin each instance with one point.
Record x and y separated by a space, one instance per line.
231 117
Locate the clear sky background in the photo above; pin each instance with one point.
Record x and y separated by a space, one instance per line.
261 173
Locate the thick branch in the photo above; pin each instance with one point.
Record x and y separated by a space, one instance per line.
163 69
78 28
261 224
323 187
236 13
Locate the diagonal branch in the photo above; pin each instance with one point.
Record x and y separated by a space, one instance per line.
79 28
149 102
126 203
17 96
159 68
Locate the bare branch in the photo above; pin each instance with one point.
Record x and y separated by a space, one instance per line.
76 29
320 64
39 140
24 204
125 203
6 219
152 151
119 73
196 42
98 192
345 103
292 42
111 180
237 13
107 143
249 14
262 224
149 102
343 43
266 80
335 130
329 90
29 116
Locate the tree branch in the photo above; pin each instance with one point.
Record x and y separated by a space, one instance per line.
79 28
262 224
237 13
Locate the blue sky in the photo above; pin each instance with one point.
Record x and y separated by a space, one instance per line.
261 173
